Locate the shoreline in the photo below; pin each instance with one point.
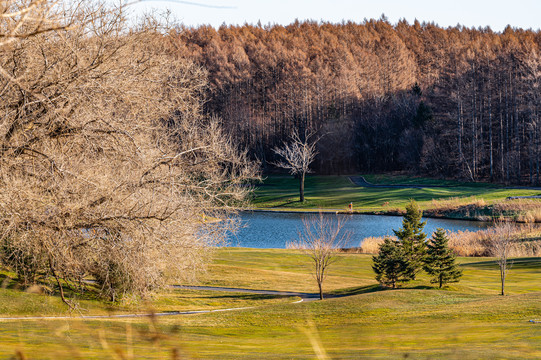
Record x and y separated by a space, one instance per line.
358 212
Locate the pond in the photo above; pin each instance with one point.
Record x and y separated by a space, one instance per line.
270 230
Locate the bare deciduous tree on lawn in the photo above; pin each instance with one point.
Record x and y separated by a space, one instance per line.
297 155
501 241
107 167
320 239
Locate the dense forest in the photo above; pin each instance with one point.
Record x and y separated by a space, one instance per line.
455 102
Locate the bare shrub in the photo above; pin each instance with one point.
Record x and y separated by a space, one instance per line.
501 239
107 167
321 239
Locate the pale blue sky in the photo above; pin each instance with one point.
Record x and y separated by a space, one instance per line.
496 13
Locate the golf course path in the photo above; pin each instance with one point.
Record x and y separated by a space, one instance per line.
303 296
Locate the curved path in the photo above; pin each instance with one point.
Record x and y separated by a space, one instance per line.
303 296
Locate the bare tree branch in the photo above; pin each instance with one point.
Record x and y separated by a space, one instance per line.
320 238
297 155
107 165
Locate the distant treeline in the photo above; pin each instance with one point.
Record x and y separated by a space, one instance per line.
453 102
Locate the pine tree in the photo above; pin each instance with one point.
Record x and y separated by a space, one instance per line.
412 238
440 260
391 265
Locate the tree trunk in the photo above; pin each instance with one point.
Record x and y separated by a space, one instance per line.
53 272
320 290
502 275
301 186
490 134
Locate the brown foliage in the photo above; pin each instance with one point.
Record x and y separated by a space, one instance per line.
456 102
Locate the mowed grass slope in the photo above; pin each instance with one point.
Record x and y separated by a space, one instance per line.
336 192
16 301
468 320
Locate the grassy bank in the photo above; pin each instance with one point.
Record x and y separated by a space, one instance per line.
450 199
19 301
464 321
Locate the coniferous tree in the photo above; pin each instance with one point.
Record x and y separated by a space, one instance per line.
390 265
412 238
440 260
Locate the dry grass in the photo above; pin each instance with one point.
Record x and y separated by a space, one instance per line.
518 205
467 243
455 203
526 210
370 245
518 210
477 243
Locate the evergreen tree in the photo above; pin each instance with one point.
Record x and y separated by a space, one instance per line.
440 260
412 238
391 265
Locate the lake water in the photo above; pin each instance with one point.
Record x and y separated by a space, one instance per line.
267 230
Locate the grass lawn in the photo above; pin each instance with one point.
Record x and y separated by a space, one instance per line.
468 320
336 192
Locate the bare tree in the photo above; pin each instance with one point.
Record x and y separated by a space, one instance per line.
297 155
107 167
501 241
321 237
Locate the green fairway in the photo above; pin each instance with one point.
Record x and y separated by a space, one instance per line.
336 192
468 320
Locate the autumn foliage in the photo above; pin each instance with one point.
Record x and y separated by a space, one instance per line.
456 102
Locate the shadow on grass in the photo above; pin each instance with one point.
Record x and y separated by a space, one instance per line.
518 263
7 282
421 287
374 288
296 202
357 290
43 286
251 297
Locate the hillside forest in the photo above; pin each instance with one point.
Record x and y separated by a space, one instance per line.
418 98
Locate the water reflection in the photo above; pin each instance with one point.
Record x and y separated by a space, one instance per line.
267 230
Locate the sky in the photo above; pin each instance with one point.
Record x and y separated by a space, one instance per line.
472 13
